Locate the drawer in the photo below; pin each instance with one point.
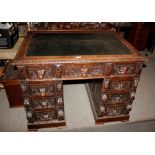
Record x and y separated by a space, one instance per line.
43 103
46 71
83 70
126 68
40 72
45 116
120 83
117 98
42 88
116 110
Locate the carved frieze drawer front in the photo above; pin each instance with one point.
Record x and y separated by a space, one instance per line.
45 116
43 103
117 98
117 110
120 84
42 88
114 110
127 68
83 70
41 72
36 117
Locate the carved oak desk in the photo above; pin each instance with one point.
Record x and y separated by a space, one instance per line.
110 65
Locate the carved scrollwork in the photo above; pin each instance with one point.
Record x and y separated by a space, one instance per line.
116 98
108 68
121 69
84 70
41 72
117 111
123 85
44 116
45 103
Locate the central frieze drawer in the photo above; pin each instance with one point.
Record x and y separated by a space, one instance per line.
43 103
42 88
83 70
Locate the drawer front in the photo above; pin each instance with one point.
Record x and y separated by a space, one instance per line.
117 98
40 72
47 71
117 110
42 88
43 103
120 84
45 116
40 117
83 70
114 110
126 68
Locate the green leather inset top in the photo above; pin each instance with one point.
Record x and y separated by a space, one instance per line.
75 44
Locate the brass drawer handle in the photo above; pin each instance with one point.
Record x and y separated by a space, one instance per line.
104 97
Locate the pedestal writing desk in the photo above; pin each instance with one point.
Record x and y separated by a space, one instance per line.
109 64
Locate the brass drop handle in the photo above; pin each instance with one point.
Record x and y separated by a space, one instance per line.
29 115
60 112
104 97
59 100
129 107
102 109
26 101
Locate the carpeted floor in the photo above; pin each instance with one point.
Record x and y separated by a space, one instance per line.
79 114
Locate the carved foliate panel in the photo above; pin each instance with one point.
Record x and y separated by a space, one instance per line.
38 117
83 70
119 84
113 110
118 97
42 103
38 72
117 111
122 69
45 89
